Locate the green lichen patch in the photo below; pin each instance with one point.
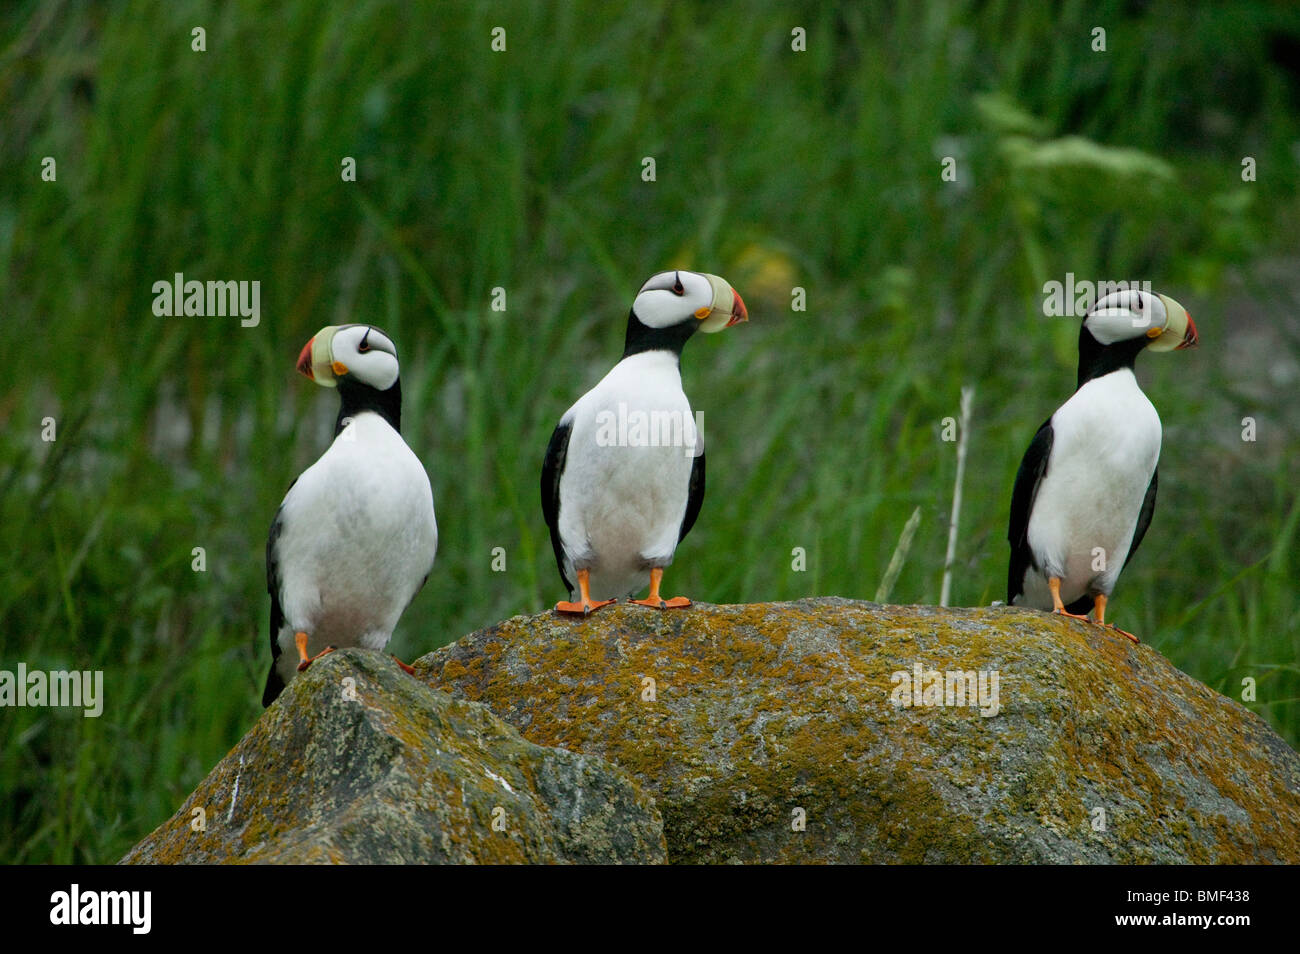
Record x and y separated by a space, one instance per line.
359 763
747 722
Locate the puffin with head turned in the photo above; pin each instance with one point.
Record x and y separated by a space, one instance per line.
355 538
623 477
1086 488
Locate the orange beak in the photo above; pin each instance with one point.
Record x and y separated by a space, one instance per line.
739 312
304 359
1189 337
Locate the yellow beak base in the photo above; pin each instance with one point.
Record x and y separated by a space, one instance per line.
1175 330
322 361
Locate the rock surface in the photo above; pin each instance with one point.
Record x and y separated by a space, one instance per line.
744 720
358 762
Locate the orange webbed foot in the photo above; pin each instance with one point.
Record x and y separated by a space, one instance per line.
585 605
654 600
300 640
583 608
677 602
1054 584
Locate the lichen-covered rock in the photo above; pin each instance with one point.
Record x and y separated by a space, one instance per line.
359 763
770 732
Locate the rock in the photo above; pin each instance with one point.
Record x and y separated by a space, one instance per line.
384 770
743 720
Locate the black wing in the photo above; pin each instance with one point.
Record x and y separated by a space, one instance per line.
1144 518
695 494
274 684
552 468
1033 468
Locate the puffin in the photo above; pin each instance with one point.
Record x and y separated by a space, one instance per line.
355 537
1086 488
623 476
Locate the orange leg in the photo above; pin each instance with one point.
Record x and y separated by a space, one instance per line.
409 670
1099 610
1054 584
587 604
304 660
654 600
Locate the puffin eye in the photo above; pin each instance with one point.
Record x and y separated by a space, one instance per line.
365 342
678 288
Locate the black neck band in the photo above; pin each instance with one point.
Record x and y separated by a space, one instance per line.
641 337
1096 359
356 398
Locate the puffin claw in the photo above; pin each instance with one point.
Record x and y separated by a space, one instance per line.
1125 633
302 666
1065 612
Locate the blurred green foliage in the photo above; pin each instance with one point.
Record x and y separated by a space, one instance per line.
522 169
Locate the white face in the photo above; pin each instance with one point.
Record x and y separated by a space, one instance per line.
359 352
1124 315
670 298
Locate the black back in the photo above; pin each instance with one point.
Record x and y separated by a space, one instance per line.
552 468
695 493
274 684
1144 516
1033 468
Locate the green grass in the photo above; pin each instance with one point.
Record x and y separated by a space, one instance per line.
522 170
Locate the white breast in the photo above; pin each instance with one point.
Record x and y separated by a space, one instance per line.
358 536
1105 446
626 477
